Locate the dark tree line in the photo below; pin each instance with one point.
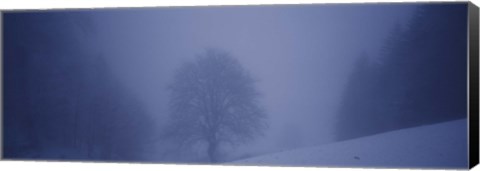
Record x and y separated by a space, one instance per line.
420 78
61 100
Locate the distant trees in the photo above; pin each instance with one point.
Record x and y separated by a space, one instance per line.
61 100
214 101
420 79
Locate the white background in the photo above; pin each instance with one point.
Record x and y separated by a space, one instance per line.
90 166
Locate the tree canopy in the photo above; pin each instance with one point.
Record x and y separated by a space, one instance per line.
214 101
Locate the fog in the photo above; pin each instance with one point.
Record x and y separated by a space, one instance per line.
301 55
303 59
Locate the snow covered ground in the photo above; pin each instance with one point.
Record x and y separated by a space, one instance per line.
442 145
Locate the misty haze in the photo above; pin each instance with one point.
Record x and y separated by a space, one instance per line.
373 85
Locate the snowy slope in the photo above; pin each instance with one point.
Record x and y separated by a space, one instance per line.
442 145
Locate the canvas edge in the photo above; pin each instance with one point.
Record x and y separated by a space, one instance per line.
1 86
473 79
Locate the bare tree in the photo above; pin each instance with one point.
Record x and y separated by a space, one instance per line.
213 101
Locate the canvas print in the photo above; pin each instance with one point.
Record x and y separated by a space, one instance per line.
319 85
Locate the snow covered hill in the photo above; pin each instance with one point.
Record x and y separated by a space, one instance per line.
442 145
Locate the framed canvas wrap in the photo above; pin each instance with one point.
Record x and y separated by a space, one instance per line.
373 85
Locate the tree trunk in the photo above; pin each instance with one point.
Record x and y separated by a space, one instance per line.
212 150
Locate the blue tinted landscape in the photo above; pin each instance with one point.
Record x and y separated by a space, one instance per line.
326 85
